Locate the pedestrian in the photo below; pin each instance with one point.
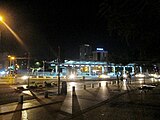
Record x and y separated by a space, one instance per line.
44 84
121 78
129 76
117 79
35 84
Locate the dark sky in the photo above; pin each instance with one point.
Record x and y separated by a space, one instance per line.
44 25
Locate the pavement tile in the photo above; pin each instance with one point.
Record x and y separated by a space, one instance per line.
74 104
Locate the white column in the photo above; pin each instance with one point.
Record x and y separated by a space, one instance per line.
56 69
114 70
140 69
132 70
107 69
102 69
89 70
124 70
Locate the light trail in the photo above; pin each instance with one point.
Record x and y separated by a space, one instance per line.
15 35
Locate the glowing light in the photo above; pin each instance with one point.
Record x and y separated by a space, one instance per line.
14 34
140 79
72 84
141 82
24 115
27 92
17 66
72 76
99 66
140 75
2 73
12 58
103 83
152 79
99 49
86 69
156 76
124 86
125 75
25 77
1 18
104 76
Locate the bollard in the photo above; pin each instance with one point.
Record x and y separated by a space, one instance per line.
84 87
106 84
92 85
116 82
46 94
20 99
111 82
99 84
73 91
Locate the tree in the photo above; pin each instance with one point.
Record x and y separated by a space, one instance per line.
135 23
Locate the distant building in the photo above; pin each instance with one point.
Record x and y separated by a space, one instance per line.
91 68
100 55
85 52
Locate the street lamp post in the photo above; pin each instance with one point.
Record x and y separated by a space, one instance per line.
58 61
28 66
43 67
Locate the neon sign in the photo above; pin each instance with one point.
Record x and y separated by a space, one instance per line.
99 49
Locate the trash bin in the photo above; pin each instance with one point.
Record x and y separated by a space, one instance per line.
64 88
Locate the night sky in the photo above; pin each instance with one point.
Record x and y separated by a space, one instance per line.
128 30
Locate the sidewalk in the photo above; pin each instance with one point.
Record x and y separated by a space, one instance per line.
73 104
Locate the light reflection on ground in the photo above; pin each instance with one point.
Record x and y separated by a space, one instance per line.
103 83
27 92
24 115
124 87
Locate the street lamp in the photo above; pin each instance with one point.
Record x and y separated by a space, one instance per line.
13 33
18 39
1 18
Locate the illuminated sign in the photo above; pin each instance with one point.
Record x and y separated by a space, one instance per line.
99 49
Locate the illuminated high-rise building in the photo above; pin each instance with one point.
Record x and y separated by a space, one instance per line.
85 52
100 55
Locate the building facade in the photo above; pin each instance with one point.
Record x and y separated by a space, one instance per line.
85 52
91 68
100 55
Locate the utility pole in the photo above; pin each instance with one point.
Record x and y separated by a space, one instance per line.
43 67
28 66
58 62
1 45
